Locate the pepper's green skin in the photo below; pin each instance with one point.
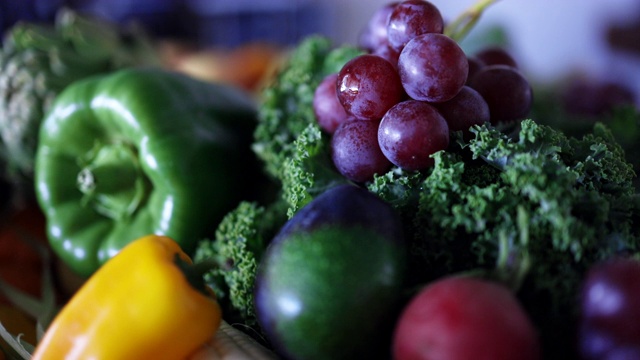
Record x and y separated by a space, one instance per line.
137 152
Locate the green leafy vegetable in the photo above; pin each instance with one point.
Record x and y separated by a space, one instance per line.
239 243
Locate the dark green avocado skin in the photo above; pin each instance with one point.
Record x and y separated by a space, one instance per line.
329 288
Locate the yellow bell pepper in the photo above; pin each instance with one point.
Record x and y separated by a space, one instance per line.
138 305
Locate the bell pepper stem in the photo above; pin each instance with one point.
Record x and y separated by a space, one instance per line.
195 272
112 181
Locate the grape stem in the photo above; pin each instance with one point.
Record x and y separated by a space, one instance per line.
463 24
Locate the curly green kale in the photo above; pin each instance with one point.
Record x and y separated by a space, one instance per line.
239 242
310 171
539 207
622 119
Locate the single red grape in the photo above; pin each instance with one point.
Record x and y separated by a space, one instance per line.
432 68
355 151
388 54
506 91
410 132
475 65
466 109
368 86
374 35
411 18
327 108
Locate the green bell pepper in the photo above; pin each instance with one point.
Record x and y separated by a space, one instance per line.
138 152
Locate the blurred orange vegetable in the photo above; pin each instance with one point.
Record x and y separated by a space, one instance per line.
249 66
141 304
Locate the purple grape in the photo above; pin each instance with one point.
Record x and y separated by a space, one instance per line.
355 151
506 91
410 132
610 315
388 54
495 55
327 108
374 35
475 65
466 109
368 86
412 18
432 68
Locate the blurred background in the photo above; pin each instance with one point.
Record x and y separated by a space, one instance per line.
550 38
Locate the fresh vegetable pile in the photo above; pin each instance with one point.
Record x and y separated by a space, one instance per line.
398 198
502 206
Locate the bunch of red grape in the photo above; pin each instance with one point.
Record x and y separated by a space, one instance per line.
398 103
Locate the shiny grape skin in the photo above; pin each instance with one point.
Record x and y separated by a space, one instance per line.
374 35
506 90
327 108
411 18
355 151
433 68
466 109
368 86
610 314
411 132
